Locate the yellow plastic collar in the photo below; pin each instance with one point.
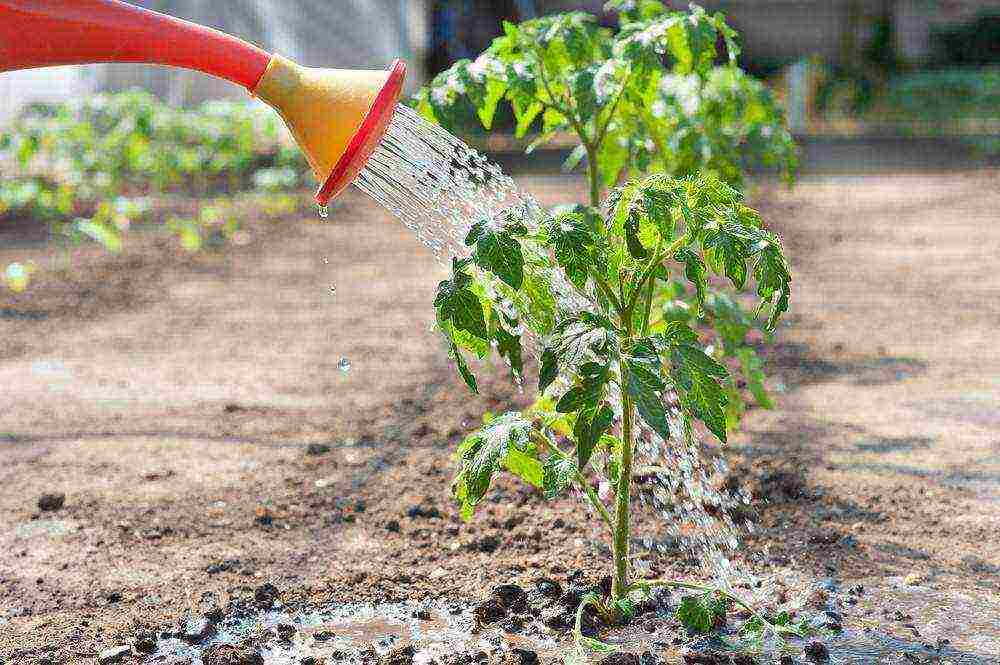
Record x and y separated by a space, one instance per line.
323 108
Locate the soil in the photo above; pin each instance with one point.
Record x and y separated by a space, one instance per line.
176 431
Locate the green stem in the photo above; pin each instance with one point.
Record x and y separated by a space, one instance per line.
585 485
594 176
595 500
650 283
619 585
602 284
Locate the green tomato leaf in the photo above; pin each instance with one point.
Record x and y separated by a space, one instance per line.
484 452
558 473
549 369
698 381
591 424
696 615
726 250
643 384
457 303
694 270
463 369
509 347
498 252
525 466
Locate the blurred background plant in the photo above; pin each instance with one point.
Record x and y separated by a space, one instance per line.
93 168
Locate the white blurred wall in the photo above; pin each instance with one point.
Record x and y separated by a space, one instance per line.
323 33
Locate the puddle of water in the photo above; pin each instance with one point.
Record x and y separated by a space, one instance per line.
353 633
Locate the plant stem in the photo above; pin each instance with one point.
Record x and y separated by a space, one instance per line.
585 485
594 175
602 284
619 584
595 500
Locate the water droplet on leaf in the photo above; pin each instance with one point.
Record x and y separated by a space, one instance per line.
344 365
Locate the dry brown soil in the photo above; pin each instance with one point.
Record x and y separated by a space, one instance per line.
173 398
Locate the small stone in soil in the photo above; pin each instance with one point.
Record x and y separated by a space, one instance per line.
323 636
489 612
400 656
620 658
511 596
115 655
265 595
145 643
48 502
421 511
222 566
487 544
817 652
548 587
285 631
317 449
228 654
423 614
521 657
787 660
392 526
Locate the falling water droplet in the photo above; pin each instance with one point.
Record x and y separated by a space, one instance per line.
324 212
333 289
344 365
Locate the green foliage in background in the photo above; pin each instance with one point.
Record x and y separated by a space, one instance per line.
88 168
647 98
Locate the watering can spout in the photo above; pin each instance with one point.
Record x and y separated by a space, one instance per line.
337 116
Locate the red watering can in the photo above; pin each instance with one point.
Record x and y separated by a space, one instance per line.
337 116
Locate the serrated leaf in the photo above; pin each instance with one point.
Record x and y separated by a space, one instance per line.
525 466
549 369
695 615
572 242
558 474
509 347
526 118
484 452
591 424
697 380
727 250
498 252
463 369
580 396
488 107
578 340
694 270
457 303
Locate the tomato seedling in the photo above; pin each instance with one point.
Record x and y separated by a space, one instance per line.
617 295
